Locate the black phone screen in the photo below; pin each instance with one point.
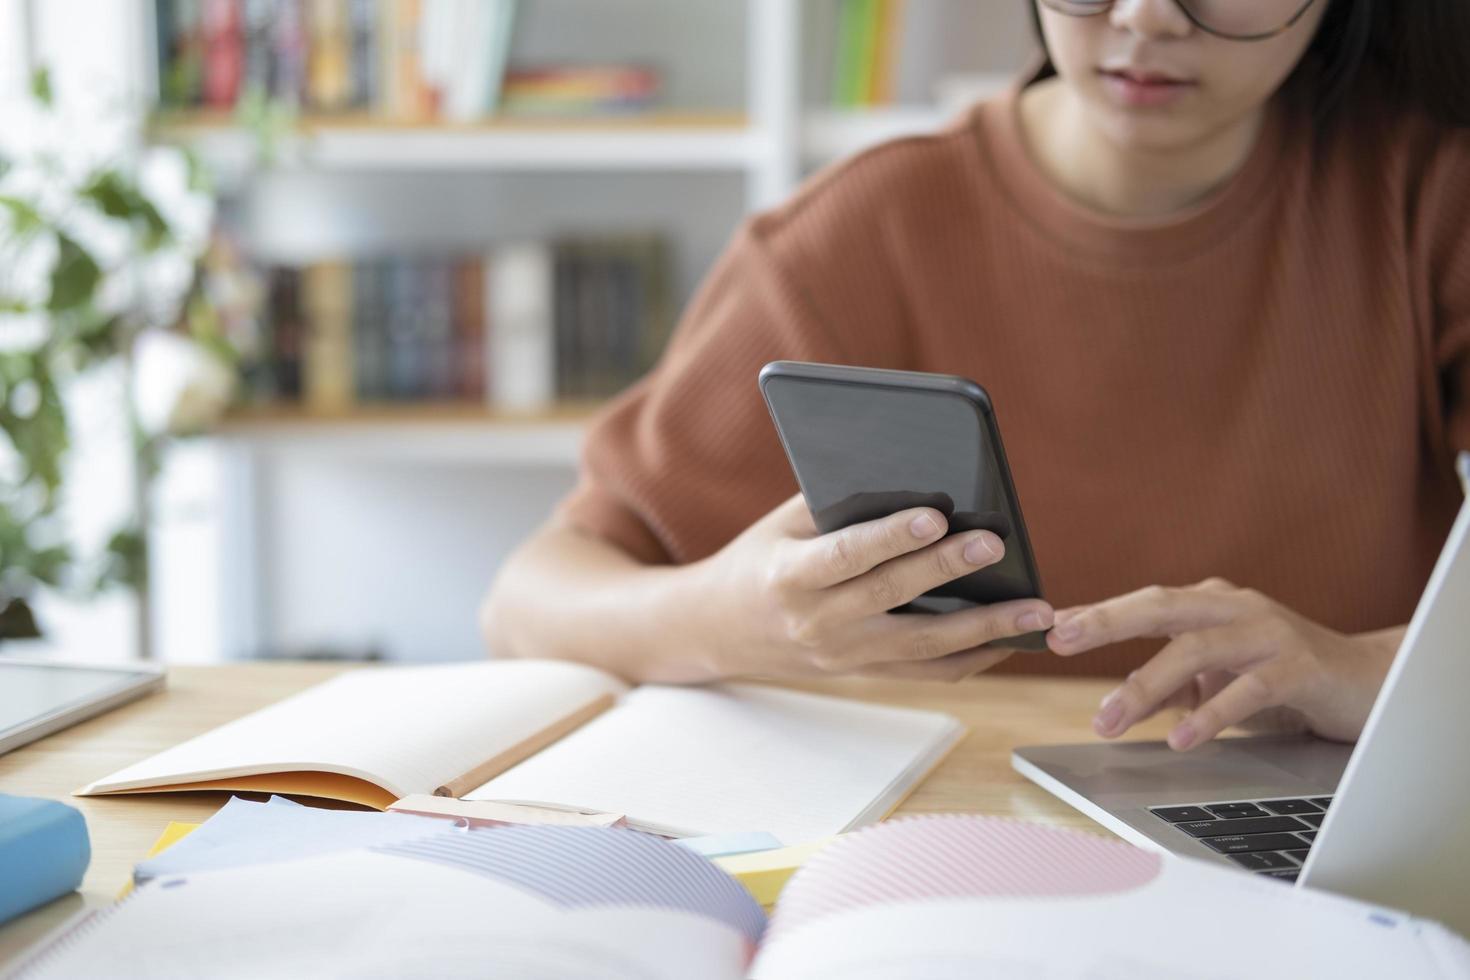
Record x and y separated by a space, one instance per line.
863 450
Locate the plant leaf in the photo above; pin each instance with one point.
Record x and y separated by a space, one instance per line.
25 219
200 179
40 438
75 276
41 87
112 194
117 197
156 232
127 560
17 622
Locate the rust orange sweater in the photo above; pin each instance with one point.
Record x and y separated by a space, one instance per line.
1268 387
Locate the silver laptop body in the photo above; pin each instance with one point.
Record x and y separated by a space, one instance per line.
1387 822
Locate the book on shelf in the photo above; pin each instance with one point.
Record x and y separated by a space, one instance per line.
571 90
519 327
329 84
869 38
327 354
404 58
400 59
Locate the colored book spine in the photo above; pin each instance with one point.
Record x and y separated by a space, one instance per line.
285 337
520 292
329 55
437 356
470 324
289 53
327 382
362 24
182 80
404 328
223 52
370 329
259 47
867 52
890 21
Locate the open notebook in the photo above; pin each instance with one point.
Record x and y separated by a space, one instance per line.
675 761
943 898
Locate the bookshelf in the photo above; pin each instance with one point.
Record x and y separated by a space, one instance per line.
379 525
656 142
433 435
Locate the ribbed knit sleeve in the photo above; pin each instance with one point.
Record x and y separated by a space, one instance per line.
689 458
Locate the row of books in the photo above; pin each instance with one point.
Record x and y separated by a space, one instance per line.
519 328
868 53
402 59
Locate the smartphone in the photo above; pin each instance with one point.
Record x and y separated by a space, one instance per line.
865 443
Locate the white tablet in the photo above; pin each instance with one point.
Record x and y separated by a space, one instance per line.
39 697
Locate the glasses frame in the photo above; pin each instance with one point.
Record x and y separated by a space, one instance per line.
1068 8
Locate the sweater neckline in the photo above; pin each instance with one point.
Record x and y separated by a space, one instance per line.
1118 238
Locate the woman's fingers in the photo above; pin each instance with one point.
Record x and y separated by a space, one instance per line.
1154 611
923 638
1175 667
1268 686
905 578
832 559
955 667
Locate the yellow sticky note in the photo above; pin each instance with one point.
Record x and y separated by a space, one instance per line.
172 834
765 873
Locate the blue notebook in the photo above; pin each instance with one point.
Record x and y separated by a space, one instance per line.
44 850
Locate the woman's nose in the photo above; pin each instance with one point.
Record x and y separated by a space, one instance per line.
1150 19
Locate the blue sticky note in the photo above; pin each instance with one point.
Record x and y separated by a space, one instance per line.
44 850
243 833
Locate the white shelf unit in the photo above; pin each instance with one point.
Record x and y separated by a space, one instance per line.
300 508
416 442
349 147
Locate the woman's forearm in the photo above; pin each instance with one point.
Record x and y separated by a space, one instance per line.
568 595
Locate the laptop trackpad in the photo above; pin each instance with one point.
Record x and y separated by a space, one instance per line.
1151 768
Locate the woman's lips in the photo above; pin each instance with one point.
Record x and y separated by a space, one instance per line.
1138 87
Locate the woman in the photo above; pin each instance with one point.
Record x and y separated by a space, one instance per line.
1213 265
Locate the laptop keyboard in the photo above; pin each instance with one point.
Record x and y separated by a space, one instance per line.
1268 837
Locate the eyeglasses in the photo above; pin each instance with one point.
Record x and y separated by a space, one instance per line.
1234 20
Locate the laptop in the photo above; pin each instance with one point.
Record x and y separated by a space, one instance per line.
1387 821
38 697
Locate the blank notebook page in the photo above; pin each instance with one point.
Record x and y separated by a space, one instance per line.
692 761
409 729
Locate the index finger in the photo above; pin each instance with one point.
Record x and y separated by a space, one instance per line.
1150 612
855 550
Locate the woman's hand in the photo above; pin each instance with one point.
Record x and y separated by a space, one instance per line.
1233 654
787 601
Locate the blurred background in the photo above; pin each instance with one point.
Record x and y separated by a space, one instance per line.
304 304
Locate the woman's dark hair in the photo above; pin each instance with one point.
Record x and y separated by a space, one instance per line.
1414 52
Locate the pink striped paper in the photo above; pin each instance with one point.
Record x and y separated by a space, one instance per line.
957 856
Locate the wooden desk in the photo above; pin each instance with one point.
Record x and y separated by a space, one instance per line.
1001 712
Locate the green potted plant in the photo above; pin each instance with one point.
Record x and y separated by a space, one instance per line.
105 265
